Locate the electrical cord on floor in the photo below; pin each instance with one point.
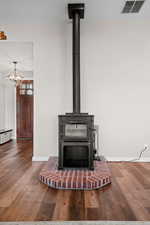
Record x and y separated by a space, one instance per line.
99 157
134 160
102 158
140 155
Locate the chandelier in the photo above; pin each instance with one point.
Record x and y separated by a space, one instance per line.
15 76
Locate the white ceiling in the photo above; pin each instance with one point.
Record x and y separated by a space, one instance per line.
45 11
22 52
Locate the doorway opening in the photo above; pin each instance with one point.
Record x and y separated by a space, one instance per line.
24 110
16 100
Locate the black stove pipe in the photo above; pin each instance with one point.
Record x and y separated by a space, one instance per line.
76 62
76 11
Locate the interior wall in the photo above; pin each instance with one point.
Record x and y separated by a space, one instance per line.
7 106
2 105
10 107
116 81
114 77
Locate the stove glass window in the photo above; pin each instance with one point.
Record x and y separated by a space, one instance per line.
76 130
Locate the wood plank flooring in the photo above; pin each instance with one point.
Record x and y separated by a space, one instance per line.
24 198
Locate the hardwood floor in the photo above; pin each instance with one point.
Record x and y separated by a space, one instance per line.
24 198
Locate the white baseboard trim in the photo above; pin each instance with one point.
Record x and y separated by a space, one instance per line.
39 159
111 159
124 159
13 138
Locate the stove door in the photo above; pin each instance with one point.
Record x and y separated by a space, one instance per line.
76 131
76 155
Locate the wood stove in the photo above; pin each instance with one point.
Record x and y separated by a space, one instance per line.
76 130
76 141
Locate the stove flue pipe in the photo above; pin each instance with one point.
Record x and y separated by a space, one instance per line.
76 12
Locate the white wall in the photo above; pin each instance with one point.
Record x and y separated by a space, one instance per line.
117 85
10 107
2 105
115 75
7 105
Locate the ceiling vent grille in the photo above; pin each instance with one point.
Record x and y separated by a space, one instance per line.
132 6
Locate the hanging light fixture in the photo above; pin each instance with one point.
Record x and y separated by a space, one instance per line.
15 76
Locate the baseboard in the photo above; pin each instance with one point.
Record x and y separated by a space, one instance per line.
111 159
39 159
13 138
124 159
